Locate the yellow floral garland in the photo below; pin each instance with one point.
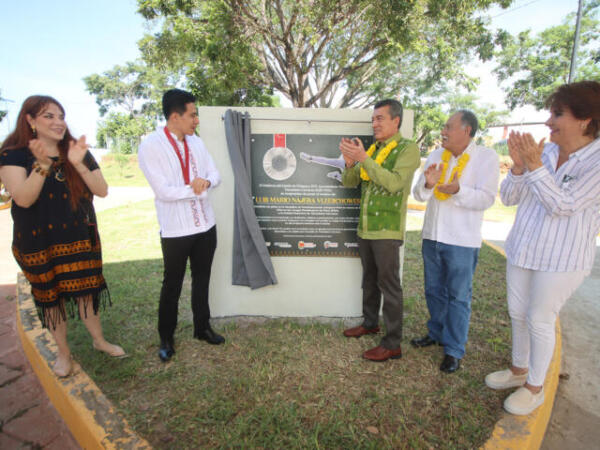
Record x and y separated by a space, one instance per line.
381 156
458 170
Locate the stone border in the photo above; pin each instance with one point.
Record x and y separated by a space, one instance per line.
90 416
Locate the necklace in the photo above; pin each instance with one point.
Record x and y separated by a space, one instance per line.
381 156
458 170
58 168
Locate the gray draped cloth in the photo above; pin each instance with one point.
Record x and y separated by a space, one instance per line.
251 260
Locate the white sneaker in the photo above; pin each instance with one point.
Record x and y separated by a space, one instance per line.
523 401
504 379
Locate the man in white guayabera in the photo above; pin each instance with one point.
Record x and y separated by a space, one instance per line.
181 172
459 183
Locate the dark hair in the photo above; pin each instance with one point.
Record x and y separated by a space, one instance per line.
395 108
469 119
582 99
33 106
176 100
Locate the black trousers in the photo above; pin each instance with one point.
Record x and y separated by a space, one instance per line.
200 249
381 275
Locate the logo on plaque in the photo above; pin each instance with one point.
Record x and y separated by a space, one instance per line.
279 162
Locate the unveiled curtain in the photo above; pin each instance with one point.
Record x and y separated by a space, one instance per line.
251 260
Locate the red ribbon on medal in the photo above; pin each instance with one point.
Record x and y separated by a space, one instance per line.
279 140
185 168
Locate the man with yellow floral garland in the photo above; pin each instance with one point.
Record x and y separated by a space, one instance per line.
385 172
460 181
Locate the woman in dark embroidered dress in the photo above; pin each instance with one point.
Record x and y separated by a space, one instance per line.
52 178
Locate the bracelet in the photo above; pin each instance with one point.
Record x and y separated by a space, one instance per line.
39 169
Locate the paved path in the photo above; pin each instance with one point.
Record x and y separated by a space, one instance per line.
27 418
121 196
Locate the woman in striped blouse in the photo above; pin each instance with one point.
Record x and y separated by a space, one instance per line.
551 246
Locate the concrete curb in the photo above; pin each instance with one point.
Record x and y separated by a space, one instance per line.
90 416
527 432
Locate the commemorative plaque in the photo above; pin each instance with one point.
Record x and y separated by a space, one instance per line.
300 203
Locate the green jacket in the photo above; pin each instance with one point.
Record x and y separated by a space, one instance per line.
383 198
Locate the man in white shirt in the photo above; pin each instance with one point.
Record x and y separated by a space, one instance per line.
460 181
181 172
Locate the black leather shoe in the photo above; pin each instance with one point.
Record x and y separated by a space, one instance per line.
450 364
425 341
166 350
210 336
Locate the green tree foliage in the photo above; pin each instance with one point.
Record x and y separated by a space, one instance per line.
122 132
195 40
132 94
317 53
432 116
134 88
325 53
533 66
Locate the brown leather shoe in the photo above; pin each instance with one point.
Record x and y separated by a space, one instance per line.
360 331
380 353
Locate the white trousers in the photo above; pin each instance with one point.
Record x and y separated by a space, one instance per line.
534 301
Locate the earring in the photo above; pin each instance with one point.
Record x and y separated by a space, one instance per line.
582 125
34 131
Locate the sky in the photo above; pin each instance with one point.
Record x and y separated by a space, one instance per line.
48 47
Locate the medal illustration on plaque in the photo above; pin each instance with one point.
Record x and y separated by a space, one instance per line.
279 162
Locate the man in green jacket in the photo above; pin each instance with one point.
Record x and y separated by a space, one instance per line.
385 172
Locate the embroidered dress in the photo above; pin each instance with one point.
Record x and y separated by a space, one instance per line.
58 249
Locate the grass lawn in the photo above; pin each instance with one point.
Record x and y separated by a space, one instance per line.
122 170
285 383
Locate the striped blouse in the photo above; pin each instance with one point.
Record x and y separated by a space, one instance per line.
558 217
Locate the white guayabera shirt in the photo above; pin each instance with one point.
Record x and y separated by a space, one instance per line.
180 212
457 220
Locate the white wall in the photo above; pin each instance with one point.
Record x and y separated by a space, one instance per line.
308 286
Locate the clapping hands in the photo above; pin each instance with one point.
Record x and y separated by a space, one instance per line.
452 187
352 150
433 174
40 152
524 151
77 150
